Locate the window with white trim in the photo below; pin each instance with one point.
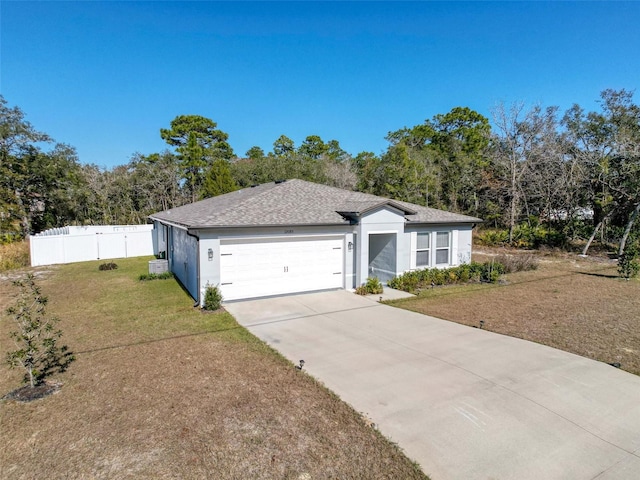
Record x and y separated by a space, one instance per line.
423 244
443 246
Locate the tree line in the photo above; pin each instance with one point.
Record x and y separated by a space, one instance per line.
572 174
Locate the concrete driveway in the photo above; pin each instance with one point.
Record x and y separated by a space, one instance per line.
464 403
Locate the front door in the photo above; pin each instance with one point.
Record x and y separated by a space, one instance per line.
382 256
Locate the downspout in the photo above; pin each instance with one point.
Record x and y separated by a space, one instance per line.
197 304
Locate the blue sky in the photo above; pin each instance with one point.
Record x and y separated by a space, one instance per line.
106 76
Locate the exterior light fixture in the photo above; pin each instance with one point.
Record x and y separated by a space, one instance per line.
210 254
350 246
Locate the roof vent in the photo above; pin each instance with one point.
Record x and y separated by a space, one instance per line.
254 185
280 181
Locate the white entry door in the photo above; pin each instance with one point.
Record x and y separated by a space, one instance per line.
261 267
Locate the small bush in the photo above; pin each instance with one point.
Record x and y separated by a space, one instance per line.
155 276
493 238
629 261
108 266
491 272
361 290
212 298
517 263
14 255
371 287
7 238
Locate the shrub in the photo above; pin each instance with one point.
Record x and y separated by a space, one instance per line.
517 263
493 238
429 277
108 266
629 261
524 236
491 272
155 276
14 255
212 298
371 287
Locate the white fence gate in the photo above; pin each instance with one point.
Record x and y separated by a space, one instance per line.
81 244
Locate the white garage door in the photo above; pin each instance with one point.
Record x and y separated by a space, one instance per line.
257 268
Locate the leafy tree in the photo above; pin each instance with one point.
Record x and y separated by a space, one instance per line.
218 180
451 149
15 132
403 176
38 189
255 153
283 146
607 145
335 152
155 182
368 168
36 339
198 143
313 147
460 140
17 139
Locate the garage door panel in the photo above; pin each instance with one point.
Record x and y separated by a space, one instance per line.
254 268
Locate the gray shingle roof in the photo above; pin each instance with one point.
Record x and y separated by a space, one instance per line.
294 202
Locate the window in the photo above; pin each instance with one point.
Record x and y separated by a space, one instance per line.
442 248
422 250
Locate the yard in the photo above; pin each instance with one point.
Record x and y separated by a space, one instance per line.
161 390
571 303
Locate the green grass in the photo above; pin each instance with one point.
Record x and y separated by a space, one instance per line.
144 310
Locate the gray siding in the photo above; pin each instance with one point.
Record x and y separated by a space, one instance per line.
183 259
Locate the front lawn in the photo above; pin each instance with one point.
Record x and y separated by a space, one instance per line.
575 304
161 390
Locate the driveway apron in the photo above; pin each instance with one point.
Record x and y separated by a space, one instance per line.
462 402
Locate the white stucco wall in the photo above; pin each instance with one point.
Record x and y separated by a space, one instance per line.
385 220
460 244
465 242
184 251
210 239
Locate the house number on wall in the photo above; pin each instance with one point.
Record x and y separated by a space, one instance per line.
288 231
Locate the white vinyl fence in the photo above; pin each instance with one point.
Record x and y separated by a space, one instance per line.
81 244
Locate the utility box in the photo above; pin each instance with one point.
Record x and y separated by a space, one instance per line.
158 266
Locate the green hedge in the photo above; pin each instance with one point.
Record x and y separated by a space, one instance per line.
469 272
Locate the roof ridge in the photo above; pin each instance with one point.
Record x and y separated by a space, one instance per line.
295 201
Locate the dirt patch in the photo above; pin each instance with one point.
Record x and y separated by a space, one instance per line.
29 394
571 303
